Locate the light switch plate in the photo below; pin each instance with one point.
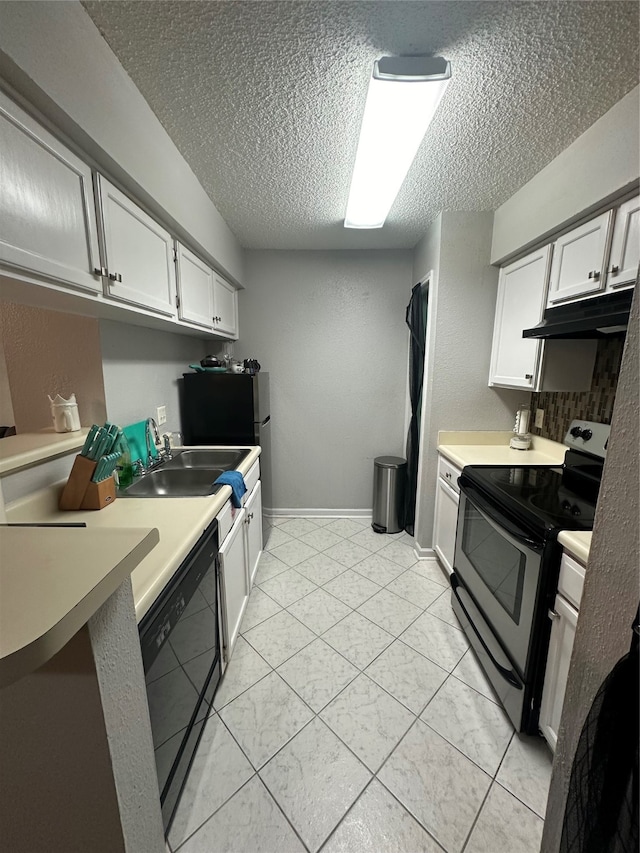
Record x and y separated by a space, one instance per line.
539 418
161 413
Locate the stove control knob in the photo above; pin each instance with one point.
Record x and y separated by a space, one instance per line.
575 510
576 432
566 505
586 434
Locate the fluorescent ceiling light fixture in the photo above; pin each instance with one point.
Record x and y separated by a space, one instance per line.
404 93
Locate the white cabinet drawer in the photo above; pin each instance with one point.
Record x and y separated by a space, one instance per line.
225 522
449 473
571 580
250 480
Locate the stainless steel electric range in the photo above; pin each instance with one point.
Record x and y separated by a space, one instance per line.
507 561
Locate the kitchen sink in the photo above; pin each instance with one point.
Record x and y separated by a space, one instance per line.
225 460
174 483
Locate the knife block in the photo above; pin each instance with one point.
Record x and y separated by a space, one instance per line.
81 493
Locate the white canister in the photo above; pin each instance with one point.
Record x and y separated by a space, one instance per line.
66 417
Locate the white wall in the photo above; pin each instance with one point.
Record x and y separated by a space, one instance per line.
54 55
141 368
330 329
461 308
600 163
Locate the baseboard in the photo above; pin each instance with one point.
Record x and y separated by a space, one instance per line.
424 553
319 513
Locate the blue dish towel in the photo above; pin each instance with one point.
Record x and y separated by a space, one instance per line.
238 486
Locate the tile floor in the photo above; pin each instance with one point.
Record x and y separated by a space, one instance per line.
353 716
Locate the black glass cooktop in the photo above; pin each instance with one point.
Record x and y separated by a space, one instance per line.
545 497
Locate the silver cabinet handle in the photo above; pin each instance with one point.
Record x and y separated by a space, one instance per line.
115 276
100 271
528 376
217 319
594 274
447 475
615 269
553 615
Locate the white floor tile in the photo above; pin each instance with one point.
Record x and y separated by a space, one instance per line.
287 587
431 568
298 526
207 788
407 675
351 588
319 610
321 538
475 725
470 671
377 823
379 569
415 588
436 640
315 779
249 821
347 553
344 527
259 607
526 771
265 717
505 825
278 537
320 569
358 639
318 673
293 552
243 670
438 785
442 608
389 611
369 539
279 637
401 553
269 566
368 720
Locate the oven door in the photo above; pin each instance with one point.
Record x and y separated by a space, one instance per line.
499 564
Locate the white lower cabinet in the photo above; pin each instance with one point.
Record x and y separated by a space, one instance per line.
564 618
446 513
253 531
234 582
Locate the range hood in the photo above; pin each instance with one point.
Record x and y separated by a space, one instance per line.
586 318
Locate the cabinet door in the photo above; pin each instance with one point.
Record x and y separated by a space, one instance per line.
625 246
225 308
234 588
563 632
46 204
578 267
515 361
195 288
253 531
445 523
138 254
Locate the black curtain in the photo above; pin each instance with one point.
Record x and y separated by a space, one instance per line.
416 318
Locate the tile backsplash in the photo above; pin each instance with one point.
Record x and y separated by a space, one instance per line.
561 407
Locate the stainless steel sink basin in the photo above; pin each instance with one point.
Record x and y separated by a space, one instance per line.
225 460
175 483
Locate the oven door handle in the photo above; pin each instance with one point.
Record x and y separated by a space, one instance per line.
508 674
494 514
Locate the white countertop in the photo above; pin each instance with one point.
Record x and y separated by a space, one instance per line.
577 543
52 581
180 522
492 448
22 451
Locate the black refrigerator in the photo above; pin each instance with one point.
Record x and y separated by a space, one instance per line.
232 409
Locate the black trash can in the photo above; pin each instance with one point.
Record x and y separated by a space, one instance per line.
389 482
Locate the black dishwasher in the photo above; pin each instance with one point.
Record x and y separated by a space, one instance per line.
180 640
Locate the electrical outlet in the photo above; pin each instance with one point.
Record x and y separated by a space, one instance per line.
539 418
161 413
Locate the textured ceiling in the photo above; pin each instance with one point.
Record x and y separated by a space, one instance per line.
264 100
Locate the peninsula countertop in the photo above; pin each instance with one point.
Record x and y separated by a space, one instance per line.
492 448
180 522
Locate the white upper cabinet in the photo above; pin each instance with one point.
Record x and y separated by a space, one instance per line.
47 215
137 253
515 361
625 246
225 308
195 288
579 259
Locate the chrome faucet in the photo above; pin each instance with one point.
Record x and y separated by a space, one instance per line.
149 427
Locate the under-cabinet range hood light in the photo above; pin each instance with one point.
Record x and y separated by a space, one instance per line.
404 93
596 317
